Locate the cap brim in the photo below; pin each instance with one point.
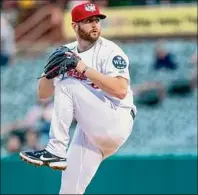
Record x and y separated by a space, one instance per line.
101 16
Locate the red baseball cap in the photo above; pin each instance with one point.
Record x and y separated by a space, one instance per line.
85 10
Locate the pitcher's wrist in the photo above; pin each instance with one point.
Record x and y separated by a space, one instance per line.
80 66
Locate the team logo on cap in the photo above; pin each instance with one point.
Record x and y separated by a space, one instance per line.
90 7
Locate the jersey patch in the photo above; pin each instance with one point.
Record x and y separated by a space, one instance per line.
119 62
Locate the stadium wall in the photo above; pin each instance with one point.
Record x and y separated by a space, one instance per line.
118 174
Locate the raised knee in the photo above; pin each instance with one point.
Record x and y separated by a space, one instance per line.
70 80
67 85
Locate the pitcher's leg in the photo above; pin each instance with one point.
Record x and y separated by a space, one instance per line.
61 120
93 111
95 114
83 161
72 98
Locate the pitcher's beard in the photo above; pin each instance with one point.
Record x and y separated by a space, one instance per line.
87 36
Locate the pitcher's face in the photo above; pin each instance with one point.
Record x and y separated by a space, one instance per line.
89 29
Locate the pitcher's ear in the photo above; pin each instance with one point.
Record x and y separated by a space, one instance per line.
74 25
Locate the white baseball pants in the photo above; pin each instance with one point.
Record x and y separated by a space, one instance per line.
102 128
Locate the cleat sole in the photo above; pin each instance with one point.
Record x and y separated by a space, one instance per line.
58 165
31 161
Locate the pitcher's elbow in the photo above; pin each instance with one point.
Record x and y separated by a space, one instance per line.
121 94
42 96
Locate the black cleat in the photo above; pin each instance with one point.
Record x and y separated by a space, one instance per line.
44 158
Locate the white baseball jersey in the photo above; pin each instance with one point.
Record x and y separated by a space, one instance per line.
108 58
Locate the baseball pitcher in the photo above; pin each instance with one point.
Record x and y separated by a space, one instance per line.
90 81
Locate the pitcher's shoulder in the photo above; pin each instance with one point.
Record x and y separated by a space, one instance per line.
110 45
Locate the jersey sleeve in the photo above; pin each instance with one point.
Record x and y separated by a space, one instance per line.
55 81
117 65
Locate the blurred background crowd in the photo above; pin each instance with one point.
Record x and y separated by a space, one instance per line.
163 73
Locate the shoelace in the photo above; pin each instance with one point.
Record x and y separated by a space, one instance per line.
40 152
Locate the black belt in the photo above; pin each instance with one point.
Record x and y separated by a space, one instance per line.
132 114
